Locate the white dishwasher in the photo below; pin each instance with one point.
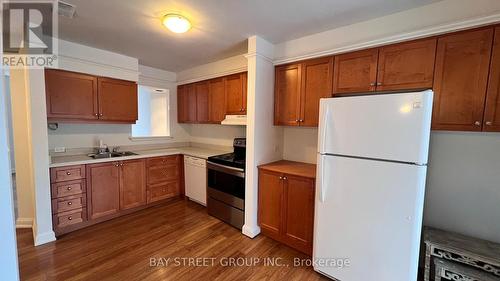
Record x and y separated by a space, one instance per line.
195 179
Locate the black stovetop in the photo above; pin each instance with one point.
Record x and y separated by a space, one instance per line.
234 159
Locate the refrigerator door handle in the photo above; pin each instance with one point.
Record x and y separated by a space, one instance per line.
324 128
320 176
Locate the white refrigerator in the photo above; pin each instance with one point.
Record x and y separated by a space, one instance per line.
372 157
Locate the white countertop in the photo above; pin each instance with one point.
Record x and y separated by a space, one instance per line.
60 161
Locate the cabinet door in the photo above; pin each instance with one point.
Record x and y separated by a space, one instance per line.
408 65
70 95
244 79
234 94
492 110
201 89
287 95
103 188
298 212
462 64
132 184
182 104
317 78
270 203
355 72
117 100
191 103
216 100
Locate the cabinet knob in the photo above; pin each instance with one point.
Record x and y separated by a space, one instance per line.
70 203
301 120
372 84
285 178
297 120
70 218
68 173
477 123
489 123
100 114
281 178
97 114
379 83
68 188
116 165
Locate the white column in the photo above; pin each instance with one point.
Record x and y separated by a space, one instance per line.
264 140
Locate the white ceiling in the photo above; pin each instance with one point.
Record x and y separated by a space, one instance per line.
220 27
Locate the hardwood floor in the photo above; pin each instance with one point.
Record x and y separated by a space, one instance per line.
125 248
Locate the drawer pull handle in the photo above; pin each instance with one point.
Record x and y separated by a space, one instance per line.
68 173
68 188
70 203
70 218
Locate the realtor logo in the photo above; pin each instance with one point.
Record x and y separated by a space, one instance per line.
29 33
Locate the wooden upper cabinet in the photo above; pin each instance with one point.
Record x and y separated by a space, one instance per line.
317 77
270 202
103 189
132 184
70 95
287 95
216 100
460 80
201 90
117 100
235 88
182 104
408 65
355 72
492 110
191 103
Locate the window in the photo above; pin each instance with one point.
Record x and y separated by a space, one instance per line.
154 117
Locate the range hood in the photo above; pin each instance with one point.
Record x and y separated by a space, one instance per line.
235 120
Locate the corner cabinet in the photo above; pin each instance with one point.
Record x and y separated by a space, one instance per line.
208 101
286 203
298 89
82 98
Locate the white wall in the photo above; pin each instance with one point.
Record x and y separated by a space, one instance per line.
423 21
219 68
8 246
215 134
463 184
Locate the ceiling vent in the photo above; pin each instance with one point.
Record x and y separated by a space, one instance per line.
66 9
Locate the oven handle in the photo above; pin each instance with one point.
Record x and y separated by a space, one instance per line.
225 169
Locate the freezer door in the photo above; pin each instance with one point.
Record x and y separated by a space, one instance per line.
368 219
390 126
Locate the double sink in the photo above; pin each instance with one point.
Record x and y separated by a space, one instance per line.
112 154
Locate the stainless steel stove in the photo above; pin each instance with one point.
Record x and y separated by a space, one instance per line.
226 185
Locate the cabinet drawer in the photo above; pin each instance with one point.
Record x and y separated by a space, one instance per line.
62 189
159 174
165 160
68 203
164 191
70 218
67 173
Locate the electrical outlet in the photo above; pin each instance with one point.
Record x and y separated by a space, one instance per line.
60 149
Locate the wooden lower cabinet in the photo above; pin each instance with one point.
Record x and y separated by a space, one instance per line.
132 184
98 192
286 203
163 178
104 189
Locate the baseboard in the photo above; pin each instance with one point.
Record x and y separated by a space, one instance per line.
24 223
44 238
250 231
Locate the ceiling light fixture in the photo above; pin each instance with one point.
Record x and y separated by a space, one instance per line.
176 23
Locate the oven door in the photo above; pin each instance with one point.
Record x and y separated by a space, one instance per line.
226 184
